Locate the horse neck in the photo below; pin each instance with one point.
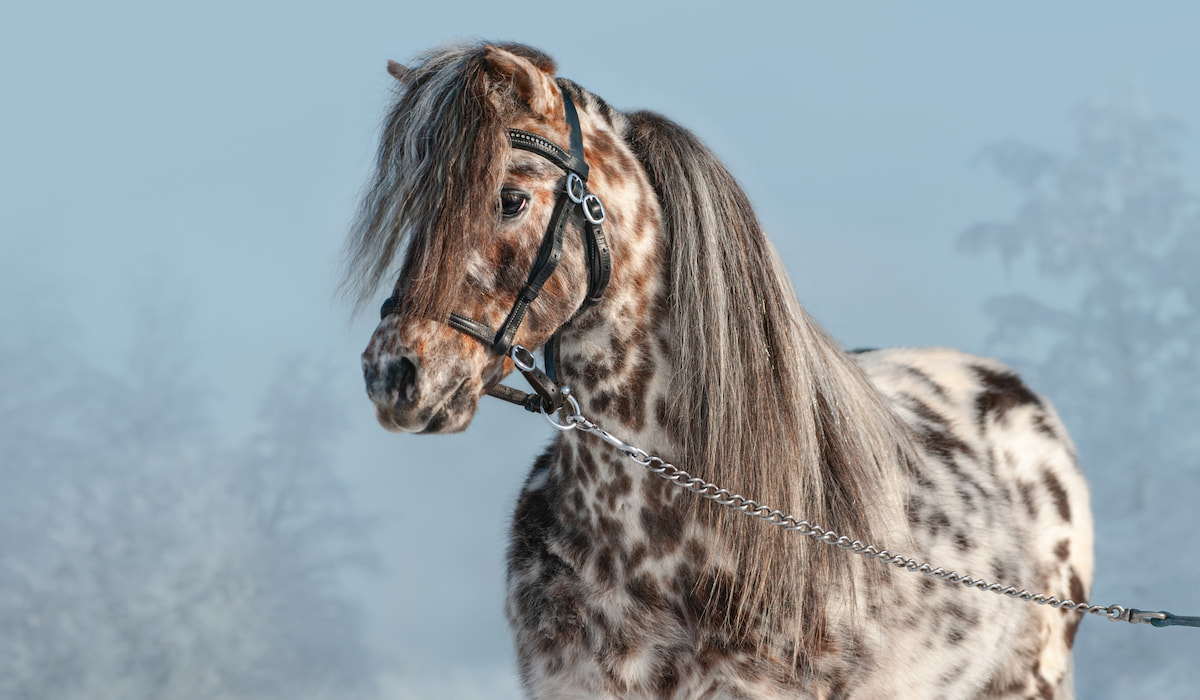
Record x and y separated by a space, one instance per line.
617 515
616 358
616 355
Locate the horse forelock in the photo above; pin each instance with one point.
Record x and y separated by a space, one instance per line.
437 177
766 404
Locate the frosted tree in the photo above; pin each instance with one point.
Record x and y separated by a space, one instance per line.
1114 222
1116 219
143 558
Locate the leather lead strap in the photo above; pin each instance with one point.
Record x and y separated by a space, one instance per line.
1174 620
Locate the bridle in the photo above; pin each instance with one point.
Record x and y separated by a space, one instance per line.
547 395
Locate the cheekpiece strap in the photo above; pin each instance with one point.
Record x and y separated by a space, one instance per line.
576 134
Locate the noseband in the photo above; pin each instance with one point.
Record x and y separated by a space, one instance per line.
547 395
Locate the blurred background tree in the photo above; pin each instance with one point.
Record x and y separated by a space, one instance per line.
1115 229
145 559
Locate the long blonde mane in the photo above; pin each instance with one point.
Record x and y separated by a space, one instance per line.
767 404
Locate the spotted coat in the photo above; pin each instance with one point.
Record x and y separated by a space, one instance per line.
602 566
620 585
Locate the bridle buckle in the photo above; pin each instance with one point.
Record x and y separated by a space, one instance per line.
593 209
576 189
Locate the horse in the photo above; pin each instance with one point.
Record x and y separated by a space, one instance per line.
515 210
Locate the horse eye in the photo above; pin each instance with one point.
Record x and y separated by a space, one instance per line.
512 203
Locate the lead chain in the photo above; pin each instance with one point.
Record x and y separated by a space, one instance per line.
576 421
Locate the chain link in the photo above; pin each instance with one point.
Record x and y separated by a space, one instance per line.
656 465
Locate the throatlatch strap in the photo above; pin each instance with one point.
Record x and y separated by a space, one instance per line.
599 263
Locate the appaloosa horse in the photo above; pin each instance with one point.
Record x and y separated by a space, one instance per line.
534 215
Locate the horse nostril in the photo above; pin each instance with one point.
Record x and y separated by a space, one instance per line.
401 377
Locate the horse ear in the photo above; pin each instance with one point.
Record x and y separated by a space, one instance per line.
400 72
532 84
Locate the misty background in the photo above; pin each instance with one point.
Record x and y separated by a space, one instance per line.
195 499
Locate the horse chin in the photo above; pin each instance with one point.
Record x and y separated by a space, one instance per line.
451 418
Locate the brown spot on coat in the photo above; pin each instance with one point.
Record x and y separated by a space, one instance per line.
1042 425
944 444
1027 498
926 413
604 566
937 522
1003 391
913 510
1078 592
661 416
1058 494
927 381
662 530
1071 628
1001 687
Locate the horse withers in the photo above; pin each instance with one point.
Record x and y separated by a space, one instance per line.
667 312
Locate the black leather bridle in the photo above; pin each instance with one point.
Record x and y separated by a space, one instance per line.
547 395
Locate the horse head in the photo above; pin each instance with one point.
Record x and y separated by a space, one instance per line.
483 178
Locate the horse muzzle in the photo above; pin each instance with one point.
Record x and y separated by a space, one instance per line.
409 399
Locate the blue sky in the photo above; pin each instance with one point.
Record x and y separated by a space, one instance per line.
213 152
